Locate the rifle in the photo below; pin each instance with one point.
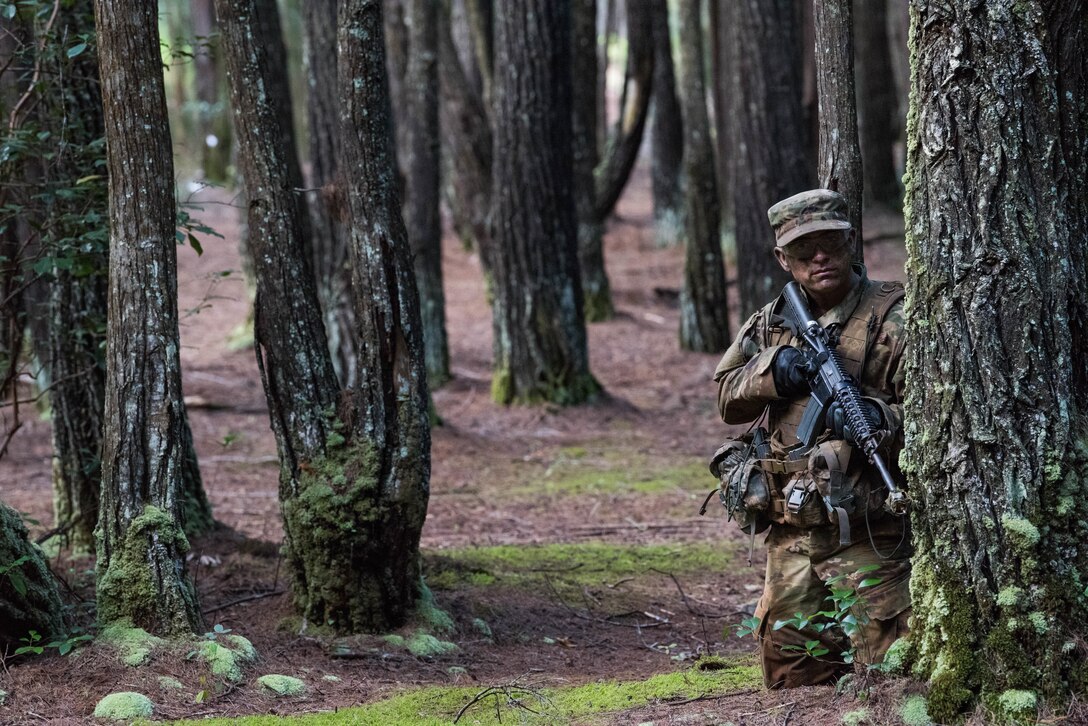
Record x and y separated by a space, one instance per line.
830 383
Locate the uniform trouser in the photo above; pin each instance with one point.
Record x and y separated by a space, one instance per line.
799 564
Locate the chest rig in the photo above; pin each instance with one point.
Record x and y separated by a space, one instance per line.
797 477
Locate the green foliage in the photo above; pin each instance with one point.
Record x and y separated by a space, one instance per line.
11 571
847 614
64 645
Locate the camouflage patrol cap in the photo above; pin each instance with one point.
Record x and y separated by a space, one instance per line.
811 211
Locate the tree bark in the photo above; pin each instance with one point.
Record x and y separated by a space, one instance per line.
213 117
141 546
391 404
622 150
997 203
332 268
352 485
540 338
878 106
704 319
839 165
667 131
770 140
29 598
481 29
595 287
722 100
466 133
421 160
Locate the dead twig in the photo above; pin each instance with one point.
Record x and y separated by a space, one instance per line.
607 620
249 598
684 597
511 691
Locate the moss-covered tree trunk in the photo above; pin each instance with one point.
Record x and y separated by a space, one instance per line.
390 418
666 132
29 599
540 335
770 137
421 159
839 159
326 203
997 455
352 484
481 28
704 318
141 572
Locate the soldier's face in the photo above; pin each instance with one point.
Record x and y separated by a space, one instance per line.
820 262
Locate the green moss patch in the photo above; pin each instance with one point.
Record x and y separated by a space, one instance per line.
577 472
124 706
437 706
282 685
134 644
226 655
585 563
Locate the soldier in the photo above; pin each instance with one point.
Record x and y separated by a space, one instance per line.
824 504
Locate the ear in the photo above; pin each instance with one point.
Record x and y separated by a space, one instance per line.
782 261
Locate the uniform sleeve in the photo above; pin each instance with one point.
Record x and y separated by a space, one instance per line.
744 377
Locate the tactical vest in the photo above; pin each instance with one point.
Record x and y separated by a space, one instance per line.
856 340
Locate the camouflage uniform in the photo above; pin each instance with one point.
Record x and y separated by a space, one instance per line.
800 560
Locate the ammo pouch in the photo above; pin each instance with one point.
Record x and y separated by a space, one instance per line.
743 488
829 490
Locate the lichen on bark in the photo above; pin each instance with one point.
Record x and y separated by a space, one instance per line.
996 380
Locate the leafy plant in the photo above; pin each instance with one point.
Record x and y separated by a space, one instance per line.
216 631
11 571
847 614
63 645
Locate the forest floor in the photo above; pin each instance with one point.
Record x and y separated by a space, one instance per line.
564 543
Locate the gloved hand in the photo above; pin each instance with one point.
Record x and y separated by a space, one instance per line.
790 370
840 428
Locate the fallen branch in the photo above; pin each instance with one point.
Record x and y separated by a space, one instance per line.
684 597
249 598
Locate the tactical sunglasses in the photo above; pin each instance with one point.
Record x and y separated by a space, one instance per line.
805 248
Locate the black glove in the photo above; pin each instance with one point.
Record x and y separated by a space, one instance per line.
790 370
840 428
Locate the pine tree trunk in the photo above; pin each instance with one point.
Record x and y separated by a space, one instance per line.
351 507
141 545
878 105
667 132
29 598
391 404
466 133
595 287
329 236
997 378
212 114
722 100
421 161
540 337
481 29
839 165
770 139
704 319
620 154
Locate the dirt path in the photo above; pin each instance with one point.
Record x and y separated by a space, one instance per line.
626 472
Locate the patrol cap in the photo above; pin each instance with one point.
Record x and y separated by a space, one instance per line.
811 211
